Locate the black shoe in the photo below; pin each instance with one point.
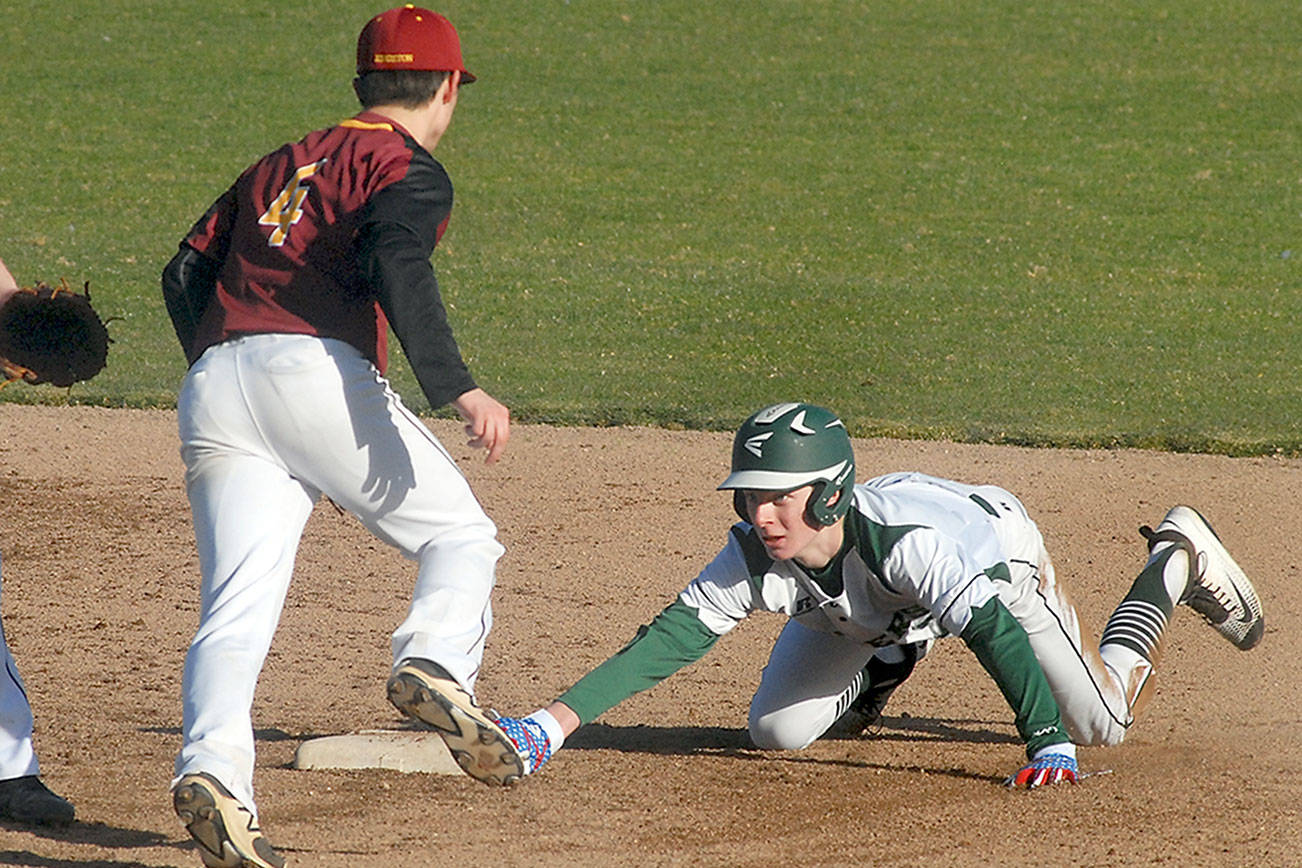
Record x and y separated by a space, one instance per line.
27 800
879 680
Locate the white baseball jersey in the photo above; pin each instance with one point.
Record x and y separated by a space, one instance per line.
918 569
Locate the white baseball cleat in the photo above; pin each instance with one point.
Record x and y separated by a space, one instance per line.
226 831
1218 589
423 690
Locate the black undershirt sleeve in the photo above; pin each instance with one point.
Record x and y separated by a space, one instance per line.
394 243
190 278
189 282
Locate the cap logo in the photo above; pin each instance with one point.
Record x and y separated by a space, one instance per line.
755 445
393 58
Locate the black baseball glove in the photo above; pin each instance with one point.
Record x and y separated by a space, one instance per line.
51 334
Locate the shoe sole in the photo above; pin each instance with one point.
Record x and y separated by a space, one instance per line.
480 748
1244 632
195 801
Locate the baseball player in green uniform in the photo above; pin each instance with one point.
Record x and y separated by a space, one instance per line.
871 574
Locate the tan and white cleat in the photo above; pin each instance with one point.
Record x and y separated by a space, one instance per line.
226 831
423 690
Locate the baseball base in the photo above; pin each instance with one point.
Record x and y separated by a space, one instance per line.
408 751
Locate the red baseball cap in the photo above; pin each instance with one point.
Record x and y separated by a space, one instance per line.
409 37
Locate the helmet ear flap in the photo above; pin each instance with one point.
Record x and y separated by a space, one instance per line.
739 505
831 499
820 512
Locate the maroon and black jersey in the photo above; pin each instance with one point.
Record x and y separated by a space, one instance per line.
329 236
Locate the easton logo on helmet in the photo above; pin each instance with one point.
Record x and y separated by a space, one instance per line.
755 445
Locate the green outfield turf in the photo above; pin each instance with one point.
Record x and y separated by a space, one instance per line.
1053 224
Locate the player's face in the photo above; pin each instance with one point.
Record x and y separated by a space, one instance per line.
783 524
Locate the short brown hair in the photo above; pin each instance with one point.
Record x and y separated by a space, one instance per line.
409 88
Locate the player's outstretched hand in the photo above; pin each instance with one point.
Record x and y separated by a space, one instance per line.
530 740
1047 768
488 421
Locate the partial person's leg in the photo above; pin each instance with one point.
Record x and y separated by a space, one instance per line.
1090 695
23 797
885 672
809 681
248 515
387 468
1186 564
17 758
248 518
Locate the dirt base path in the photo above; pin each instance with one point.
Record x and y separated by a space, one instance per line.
602 528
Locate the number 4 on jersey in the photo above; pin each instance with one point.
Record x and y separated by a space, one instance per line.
287 208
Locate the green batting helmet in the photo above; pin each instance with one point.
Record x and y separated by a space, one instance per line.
788 446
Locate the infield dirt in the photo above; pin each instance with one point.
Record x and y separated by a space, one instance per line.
602 528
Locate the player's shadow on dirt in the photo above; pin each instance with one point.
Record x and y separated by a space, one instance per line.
687 740
259 734
95 834
31 860
672 740
735 742
100 834
908 728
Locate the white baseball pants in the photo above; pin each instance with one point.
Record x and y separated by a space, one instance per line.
17 758
811 677
267 424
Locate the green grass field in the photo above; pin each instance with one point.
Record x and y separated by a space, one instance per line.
1051 224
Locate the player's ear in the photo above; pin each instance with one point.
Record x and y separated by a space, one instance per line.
451 85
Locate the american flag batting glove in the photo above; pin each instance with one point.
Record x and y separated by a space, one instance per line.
530 741
1047 768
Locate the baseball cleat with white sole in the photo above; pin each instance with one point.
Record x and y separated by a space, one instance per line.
1218 589
423 690
226 831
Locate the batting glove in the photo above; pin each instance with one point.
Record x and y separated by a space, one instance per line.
530 740
1048 767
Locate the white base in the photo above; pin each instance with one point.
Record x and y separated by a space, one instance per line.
378 749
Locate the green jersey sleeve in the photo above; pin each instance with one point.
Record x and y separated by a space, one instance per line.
1002 647
675 638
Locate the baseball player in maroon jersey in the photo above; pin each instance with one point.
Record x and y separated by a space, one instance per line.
281 295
